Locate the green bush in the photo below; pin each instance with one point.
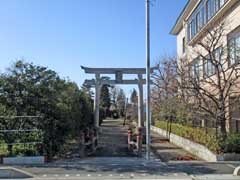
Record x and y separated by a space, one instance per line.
28 89
206 137
25 150
198 135
19 150
3 148
232 143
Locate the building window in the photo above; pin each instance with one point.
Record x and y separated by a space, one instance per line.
209 65
234 50
210 8
195 69
218 55
193 28
183 45
198 21
202 14
221 2
235 113
201 18
209 68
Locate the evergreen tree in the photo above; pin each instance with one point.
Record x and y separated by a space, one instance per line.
134 97
27 89
121 100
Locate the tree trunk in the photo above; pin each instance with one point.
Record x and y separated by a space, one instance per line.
10 150
222 121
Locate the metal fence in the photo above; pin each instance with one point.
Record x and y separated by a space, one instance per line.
21 141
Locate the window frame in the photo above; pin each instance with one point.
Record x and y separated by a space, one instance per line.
202 14
183 45
195 68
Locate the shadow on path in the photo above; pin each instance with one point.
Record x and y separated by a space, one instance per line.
113 140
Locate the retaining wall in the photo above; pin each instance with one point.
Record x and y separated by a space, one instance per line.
23 160
196 149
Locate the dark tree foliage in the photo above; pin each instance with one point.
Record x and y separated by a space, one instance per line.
121 100
27 89
134 97
105 99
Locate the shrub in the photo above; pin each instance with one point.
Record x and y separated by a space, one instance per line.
198 135
207 138
28 89
232 143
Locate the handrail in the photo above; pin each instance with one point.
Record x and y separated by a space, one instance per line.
20 130
27 143
236 119
12 117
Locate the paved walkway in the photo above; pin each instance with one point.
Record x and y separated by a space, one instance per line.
167 151
113 140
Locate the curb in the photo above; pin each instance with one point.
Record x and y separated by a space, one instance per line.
236 171
11 172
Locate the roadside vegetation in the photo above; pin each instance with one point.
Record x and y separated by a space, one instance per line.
175 112
61 108
42 113
192 95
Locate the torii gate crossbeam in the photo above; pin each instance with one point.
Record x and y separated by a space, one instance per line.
118 72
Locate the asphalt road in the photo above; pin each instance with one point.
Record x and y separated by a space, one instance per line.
113 161
124 168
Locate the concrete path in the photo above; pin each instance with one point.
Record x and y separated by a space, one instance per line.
167 151
113 140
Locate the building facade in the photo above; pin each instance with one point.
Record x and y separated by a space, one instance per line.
192 26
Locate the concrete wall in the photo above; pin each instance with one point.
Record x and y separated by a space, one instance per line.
24 160
196 149
180 37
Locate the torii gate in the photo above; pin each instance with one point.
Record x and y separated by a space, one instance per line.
118 72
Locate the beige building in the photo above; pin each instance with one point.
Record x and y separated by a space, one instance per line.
190 28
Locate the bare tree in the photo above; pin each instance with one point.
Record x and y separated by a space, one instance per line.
165 84
211 90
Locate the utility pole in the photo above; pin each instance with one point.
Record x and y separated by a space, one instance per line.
148 115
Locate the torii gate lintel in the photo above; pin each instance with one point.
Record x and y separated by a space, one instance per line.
98 82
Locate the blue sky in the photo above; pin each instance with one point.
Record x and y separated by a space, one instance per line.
65 34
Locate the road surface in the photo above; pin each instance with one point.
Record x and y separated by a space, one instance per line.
114 161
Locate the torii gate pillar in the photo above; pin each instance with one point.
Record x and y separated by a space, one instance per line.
140 102
97 100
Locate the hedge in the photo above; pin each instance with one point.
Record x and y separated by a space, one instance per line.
198 135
